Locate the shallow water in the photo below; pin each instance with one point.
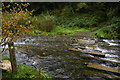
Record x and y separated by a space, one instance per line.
50 53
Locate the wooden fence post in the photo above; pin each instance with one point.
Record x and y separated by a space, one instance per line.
12 56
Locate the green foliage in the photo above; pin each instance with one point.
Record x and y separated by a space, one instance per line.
66 11
16 21
5 58
45 22
26 72
81 5
81 15
62 30
112 29
100 34
79 20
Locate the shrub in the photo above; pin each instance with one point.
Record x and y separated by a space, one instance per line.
16 22
79 20
45 22
112 29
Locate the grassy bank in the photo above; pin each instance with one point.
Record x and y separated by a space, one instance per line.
61 31
110 30
25 72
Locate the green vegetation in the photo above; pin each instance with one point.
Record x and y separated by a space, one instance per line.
5 58
45 23
36 19
111 29
53 25
26 73
67 18
61 30
80 20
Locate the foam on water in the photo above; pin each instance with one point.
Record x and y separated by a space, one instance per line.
89 47
113 44
19 43
16 43
6 46
111 59
105 50
111 55
110 42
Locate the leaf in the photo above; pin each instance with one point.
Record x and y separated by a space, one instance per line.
11 47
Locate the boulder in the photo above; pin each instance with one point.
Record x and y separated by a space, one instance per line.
6 65
88 42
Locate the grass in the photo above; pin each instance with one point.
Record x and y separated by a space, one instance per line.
106 32
83 30
47 24
61 30
100 33
26 72
5 58
69 25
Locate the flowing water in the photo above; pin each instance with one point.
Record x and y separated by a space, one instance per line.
51 54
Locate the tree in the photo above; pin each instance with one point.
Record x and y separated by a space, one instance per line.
16 21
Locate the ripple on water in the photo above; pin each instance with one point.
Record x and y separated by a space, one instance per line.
59 63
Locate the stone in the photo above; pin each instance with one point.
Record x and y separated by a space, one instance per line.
87 42
6 65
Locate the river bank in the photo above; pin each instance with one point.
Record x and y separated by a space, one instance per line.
95 32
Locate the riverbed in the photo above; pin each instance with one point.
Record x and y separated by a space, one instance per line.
51 54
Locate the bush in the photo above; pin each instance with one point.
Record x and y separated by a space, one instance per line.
45 22
112 29
15 21
79 20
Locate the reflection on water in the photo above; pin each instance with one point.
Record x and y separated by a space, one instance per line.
50 53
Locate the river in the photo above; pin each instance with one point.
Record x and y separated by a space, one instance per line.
51 54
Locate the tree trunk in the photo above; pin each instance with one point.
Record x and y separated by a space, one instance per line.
12 56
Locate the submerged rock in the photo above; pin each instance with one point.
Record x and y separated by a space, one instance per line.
87 42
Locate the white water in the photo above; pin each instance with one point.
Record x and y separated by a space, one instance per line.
16 43
111 59
111 55
20 43
56 61
110 42
105 50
